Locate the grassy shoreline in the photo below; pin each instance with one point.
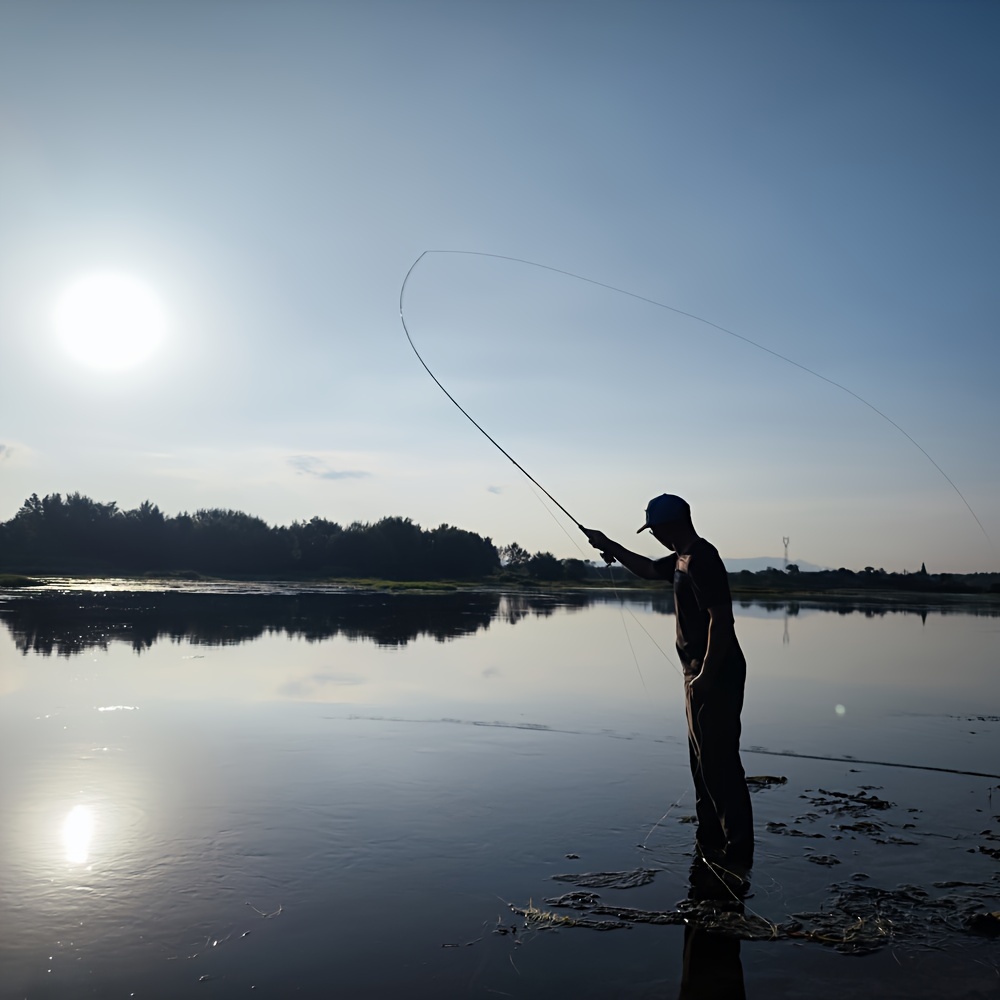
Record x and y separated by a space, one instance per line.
887 597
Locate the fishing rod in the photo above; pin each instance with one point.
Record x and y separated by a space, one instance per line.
503 451
669 308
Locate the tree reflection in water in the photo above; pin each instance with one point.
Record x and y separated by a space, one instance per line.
66 622
71 622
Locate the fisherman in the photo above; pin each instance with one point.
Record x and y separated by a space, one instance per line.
714 677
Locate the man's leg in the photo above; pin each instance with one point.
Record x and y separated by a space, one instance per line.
724 808
737 816
711 837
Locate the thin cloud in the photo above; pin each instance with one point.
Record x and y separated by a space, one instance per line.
5 452
308 465
494 489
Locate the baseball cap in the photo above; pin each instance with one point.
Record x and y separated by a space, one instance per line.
665 508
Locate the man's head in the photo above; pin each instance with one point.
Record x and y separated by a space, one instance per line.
669 519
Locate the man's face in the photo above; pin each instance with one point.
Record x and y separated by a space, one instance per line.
665 534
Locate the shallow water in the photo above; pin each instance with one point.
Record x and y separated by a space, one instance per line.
253 792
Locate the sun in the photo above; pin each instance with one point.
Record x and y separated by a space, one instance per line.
109 321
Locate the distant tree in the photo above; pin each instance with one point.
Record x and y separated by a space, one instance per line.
456 553
311 544
574 569
513 556
792 569
141 541
545 566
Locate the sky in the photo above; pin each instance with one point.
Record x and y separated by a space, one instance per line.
817 177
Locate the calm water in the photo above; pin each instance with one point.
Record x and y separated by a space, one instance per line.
318 794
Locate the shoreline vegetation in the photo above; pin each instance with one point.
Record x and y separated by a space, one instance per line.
80 538
750 595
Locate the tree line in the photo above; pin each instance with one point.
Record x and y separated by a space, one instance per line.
76 534
792 580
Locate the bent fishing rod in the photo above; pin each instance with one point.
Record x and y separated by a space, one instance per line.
465 413
669 308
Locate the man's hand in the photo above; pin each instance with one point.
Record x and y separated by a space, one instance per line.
597 538
700 683
600 541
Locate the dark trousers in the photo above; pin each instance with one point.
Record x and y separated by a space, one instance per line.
722 799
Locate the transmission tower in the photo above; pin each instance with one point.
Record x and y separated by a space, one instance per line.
786 540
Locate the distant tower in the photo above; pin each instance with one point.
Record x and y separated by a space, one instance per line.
786 540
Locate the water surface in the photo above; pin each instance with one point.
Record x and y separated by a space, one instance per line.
257 792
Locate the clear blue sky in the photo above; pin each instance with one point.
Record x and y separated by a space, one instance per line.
817 176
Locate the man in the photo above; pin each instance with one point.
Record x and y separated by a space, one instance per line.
714 676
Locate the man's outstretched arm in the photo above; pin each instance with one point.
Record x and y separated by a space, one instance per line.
611 550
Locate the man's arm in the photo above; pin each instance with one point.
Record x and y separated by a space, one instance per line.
611 550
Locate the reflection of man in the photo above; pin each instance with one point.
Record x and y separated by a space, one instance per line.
712 969
714 676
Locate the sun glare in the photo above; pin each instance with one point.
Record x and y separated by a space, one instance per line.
77 832
109 321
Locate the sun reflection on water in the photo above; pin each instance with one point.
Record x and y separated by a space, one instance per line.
77 833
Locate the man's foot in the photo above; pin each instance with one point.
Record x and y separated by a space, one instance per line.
737 879
710 855
712 883
734 877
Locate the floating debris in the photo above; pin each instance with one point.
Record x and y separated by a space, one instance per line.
864 826
761 781
536 919
854 917
860 919
610 880
786 831
846 803
855 920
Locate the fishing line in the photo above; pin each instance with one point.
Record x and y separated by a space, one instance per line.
678 312
621 608
620 598
611 578
673 806
559 523
649 636
874 763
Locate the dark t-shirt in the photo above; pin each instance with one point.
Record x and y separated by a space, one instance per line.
703 585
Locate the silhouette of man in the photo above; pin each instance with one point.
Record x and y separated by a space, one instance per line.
714 677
